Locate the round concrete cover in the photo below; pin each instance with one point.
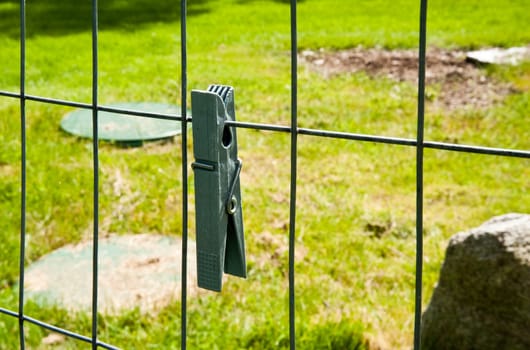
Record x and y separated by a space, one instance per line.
142 271
123 127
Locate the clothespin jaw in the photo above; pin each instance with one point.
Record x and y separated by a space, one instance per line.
219 217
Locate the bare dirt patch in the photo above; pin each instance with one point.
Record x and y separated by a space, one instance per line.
275 248
457 83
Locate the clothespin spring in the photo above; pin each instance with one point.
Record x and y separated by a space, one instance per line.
231 201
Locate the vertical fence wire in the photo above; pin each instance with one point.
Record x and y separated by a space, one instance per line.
419 174
23 172
95 150
294 156
184 145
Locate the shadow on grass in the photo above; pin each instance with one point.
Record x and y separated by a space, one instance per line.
62 17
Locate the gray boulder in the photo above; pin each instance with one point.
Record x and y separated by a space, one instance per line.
482 300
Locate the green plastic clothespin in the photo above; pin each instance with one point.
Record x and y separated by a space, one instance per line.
219 217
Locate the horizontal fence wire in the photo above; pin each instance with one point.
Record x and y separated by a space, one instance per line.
8 312
418 143
89 106
70 334
447 146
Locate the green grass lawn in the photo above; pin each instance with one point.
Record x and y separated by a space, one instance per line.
351 285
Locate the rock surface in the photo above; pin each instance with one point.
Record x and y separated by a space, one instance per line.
496 55
482 300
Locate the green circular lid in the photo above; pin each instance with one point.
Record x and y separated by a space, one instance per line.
135 271
125 127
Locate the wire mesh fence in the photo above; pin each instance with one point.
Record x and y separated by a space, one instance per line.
419 144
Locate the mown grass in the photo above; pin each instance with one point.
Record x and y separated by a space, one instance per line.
356 201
